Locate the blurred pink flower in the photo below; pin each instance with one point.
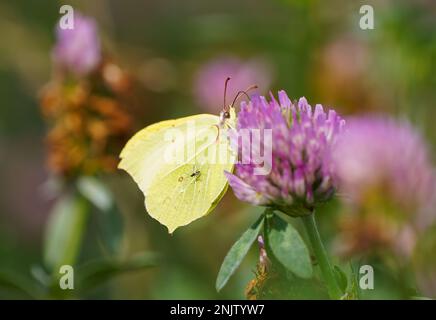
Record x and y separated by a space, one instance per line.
377 152
209 82
78 49
384 171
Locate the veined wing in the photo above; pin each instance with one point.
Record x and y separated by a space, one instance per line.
190 191
142 157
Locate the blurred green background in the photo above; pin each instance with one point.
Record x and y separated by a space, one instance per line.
311 48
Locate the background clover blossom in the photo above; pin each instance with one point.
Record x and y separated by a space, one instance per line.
300 168
90 117
377 152
384 172
78 49
209 81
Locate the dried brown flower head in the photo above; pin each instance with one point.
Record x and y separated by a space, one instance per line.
88 121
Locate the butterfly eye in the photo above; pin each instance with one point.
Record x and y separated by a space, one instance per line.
226 115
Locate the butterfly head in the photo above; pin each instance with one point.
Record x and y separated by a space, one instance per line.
228 114
228 117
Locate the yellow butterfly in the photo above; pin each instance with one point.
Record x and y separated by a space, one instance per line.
179 165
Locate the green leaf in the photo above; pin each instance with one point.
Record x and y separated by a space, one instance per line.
237 252
341 278
110 222
97 272
288 247
354 291
64 232
96 192
110 229
14 285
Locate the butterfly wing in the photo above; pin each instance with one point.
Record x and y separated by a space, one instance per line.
179 193
142 155
191 190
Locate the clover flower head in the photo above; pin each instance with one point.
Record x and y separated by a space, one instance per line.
78 50
300 172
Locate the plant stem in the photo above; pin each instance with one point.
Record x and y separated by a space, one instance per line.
321 256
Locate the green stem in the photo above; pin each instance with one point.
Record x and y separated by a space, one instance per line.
321 256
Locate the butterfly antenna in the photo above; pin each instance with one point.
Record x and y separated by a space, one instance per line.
252 87
225 92
244 92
